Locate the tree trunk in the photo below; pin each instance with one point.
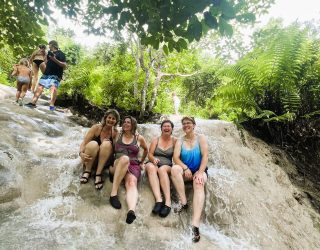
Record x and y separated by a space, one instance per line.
156 87
136 58
144 90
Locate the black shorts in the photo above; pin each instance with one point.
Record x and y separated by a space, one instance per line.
38 62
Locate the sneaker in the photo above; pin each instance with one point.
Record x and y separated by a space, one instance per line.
20 101
30 105
51 108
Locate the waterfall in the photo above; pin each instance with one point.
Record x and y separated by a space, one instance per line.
250 201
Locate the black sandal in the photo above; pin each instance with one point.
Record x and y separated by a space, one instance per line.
182 207
99 182
84 179
196 234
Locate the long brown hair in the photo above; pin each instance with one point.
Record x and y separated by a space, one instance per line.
133 123
113 112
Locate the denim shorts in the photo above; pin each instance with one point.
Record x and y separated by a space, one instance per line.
49 80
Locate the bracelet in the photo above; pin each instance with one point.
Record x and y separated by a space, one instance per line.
185 169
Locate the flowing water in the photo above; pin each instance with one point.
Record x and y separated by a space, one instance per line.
250 201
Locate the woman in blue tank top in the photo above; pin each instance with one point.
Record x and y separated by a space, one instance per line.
191 159
159 167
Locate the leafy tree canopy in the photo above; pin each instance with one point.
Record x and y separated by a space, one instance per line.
20 25
174 22
168 22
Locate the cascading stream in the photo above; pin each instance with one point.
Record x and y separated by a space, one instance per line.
250 201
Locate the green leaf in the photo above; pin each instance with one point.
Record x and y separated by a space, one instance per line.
194 30
124 18
170 45
215 11
225 28
245 18
210 20
182 43
165 49
227 9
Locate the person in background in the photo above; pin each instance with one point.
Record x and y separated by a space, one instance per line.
176 103
191 159
56 63
37 60
24 78
97 147
159 167
127 166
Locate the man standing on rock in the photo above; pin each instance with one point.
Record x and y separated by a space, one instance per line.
55 64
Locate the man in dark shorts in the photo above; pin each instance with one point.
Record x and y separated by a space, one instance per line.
56 63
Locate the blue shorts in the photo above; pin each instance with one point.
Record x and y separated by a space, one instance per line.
49 80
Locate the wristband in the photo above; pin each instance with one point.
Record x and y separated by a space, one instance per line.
185 169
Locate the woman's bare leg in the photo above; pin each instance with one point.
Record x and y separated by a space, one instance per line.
154 181
132 191
104 154
178 182
91 149
119 171
35 77
163 173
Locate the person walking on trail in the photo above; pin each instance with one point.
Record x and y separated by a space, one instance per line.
56 63
176 103
37 61
24 78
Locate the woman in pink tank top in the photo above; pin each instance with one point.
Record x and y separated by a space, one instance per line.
127 166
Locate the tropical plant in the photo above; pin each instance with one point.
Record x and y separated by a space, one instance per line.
275 80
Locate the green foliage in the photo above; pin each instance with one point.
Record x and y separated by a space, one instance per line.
200 87
172 22
275 80
104 83
6 65
20 25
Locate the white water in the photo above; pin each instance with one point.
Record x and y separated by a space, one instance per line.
249 198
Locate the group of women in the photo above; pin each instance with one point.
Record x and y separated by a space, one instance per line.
104 146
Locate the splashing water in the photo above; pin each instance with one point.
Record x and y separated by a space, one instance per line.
249 198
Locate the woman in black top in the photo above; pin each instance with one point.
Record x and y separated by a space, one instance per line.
97 147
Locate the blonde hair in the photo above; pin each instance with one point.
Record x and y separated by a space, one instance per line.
24 61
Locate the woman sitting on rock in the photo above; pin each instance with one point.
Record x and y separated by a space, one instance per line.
159 167
97 147
191 156
127 166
